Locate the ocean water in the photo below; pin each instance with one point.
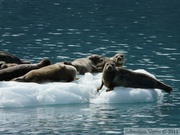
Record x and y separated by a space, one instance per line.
147 32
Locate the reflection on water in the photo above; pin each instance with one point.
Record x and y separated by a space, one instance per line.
145 31
88 118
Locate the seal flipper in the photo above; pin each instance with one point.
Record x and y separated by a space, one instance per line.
100 87
19 79
76 78
68 63
110 88
164 87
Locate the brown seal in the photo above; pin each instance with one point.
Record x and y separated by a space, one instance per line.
9 58
118 59
19 70
117 76
53 73
87 64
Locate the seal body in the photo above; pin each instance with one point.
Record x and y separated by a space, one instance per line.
117 76
19 70
87 64
9 58
53 73
83 65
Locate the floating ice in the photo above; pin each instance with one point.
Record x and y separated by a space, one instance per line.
18 94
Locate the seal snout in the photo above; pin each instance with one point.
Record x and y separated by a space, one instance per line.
120 58
109 67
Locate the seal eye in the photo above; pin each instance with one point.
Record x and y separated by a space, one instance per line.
101 60
122 56
113 65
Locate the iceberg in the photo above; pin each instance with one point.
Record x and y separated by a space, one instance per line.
83 90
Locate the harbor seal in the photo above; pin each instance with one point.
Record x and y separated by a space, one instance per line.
9 58
113 76
87 64
53 73
12 72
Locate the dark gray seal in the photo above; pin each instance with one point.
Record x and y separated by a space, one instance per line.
19 70
117 76
9 58
53 73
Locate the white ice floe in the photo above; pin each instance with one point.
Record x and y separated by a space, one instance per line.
18 94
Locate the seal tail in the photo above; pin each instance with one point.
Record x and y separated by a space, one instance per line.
164 87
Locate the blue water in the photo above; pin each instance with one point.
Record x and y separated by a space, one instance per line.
147 32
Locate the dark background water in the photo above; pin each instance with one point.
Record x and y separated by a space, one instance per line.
147 32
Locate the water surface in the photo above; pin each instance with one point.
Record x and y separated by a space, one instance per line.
147 32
